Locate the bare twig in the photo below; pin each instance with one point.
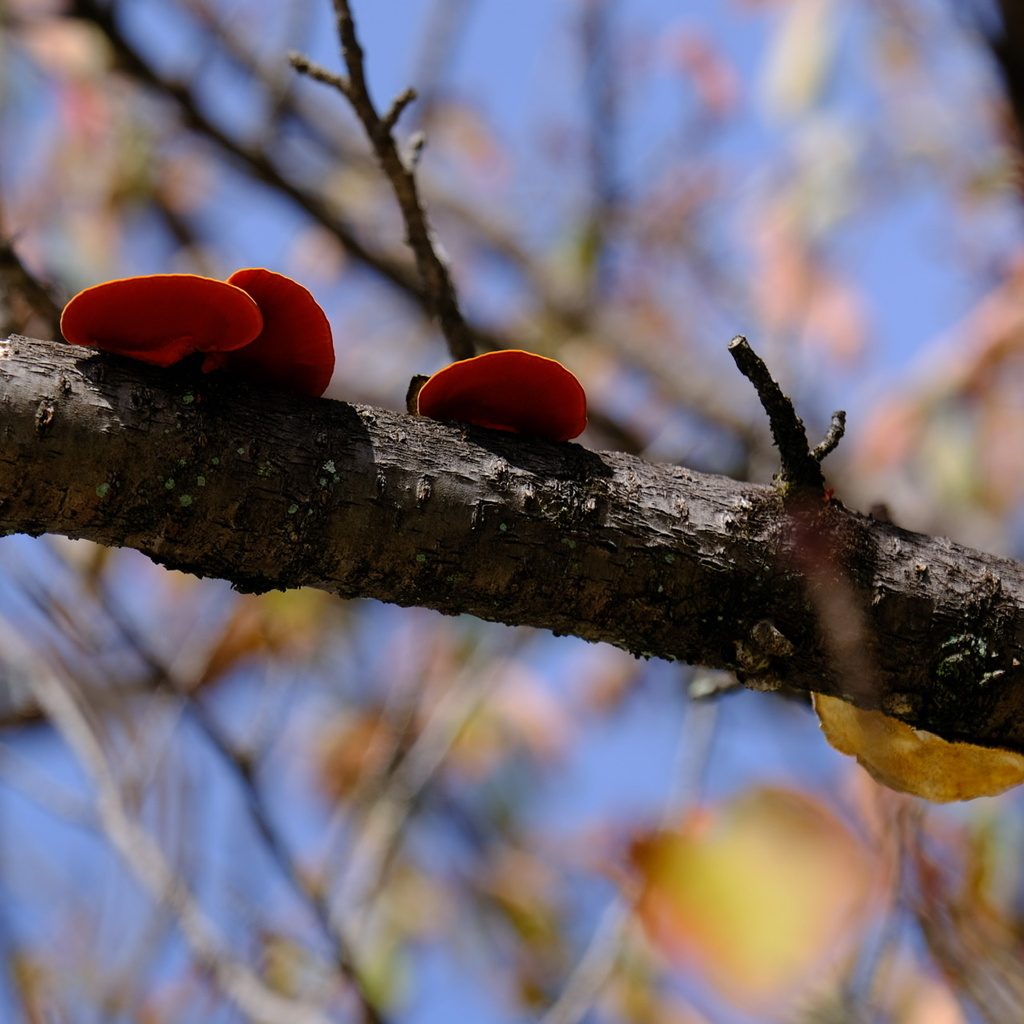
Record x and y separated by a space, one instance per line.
439 289
596 35
398 104
255 159
832 437
258 161
800 469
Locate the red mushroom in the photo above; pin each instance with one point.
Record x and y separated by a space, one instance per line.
508 390
162 318
294 351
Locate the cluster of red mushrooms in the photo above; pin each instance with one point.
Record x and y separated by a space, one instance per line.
268 329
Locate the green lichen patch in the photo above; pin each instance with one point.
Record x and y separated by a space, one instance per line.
966 659
980 652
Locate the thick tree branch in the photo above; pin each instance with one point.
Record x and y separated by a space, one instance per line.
270 491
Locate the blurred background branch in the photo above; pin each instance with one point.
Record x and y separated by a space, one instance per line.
81 730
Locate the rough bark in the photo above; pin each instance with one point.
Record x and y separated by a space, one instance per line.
271 491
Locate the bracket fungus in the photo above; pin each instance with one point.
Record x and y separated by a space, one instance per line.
259 325
162 318
508 390
294 351
913 761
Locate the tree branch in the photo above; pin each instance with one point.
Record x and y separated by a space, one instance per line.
438 287
270 491
834 434
801 469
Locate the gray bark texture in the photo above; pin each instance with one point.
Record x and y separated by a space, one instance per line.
270 491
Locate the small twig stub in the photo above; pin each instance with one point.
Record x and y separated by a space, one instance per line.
800 467
833 435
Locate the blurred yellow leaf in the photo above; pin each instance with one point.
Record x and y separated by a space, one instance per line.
754 894
800 56
30 978
912 761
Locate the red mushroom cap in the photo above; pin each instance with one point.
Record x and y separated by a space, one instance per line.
295 350
508 390
161 318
